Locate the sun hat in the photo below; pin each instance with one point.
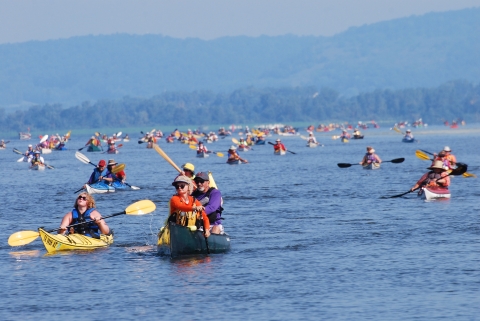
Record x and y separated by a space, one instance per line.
189 167
233 147
408 131
447 149
437 164
30 145
202 175
111 162
102 163
37 152
181 179
278 140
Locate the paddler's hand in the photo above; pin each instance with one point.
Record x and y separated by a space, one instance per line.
207 233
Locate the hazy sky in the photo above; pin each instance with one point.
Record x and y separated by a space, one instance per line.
24 20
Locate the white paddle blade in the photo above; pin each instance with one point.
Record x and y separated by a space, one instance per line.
44 138
119 134
82 158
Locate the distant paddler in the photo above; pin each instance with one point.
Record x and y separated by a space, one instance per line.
202 148
278 147
357 133
370 157
233 155
447 154
311 139
408 135
3 144
93 144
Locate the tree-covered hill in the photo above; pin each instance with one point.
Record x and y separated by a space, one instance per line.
450 101
418 51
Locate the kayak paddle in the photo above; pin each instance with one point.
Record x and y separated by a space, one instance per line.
422 154
137 208
209 152
395 161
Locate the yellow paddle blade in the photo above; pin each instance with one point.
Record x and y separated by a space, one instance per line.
235 141
192 146
212 181
220 154
466 174
141 208
118 168
397 130
97 134
68 134
22 238
422 155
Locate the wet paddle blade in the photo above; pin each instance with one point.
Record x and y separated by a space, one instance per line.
17 151
397 130
469 175
460 170
82 158
343 165
235 141
422 155
397 160
44 138
140 208
192 146
22 238
219 154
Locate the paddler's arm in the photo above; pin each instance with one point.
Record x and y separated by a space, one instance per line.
420 182
96 217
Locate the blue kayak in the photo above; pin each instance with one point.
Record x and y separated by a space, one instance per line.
260 142
99 188
120 185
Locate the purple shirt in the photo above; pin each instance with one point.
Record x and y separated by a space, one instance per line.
213 205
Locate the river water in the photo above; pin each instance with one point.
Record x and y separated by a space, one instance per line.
310 240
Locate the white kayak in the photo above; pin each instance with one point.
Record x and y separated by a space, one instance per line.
99 188
371 166
430 193
38 167
280 152
46 151
202 155
312 145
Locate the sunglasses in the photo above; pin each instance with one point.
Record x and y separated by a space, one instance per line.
199 181
180 186
82 198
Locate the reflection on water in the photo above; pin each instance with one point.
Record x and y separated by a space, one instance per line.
309 240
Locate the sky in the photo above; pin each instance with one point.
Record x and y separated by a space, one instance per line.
25 20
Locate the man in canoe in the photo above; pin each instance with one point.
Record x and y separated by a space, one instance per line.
110 177
84 212
94 141
3 144
408 135
99 171
450 157
437 177
185 210
370 157
232 155
201 148
211 200
279 146
29 152
37 159
311 139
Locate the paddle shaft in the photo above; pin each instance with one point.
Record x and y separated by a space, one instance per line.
206 238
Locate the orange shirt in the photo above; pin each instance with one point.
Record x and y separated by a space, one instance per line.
433 183
177 204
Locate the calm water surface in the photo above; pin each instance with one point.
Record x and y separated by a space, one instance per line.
309 240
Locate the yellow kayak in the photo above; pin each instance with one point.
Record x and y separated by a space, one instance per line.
57 242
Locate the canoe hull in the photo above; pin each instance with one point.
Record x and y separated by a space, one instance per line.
202 155
358 137
175 240
56 242
99 188
431 194
371 166
280 152
234 162
93 148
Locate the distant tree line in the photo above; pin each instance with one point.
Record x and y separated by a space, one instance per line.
453 100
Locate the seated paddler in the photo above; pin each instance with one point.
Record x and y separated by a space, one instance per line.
99 171
185 210
211 199
437 177
84 211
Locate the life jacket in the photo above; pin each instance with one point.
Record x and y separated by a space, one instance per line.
89 228
96 175
185 218
212 217
370 157
432 179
